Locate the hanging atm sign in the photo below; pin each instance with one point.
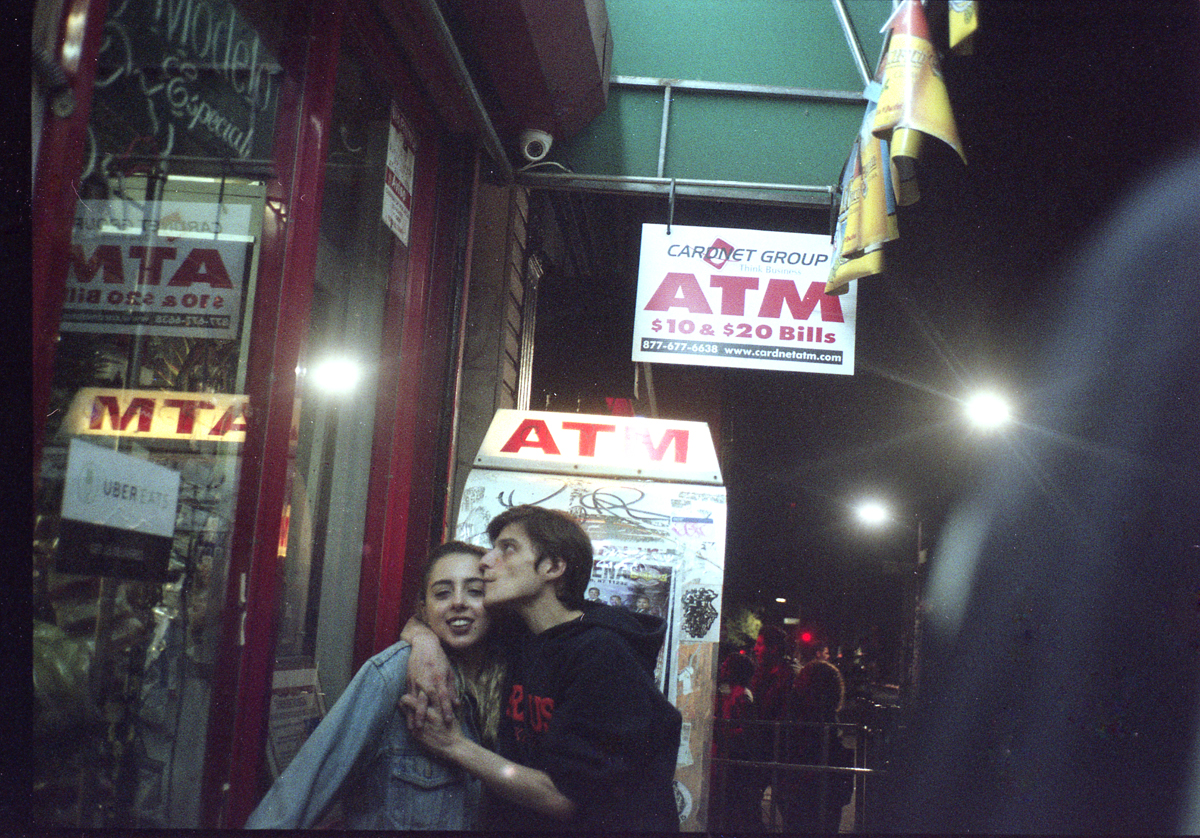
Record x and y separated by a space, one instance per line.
170 272
611 446
753 299
157 414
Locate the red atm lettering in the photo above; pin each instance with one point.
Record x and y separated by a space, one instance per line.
227 421
106 259
151 259
678 435
587 435
780 291
521 438
200 266
681 290
733 292
534 433
187 412
143 409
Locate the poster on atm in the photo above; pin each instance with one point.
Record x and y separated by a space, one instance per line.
649 494
754 299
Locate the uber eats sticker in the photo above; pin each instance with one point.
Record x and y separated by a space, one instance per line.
118 514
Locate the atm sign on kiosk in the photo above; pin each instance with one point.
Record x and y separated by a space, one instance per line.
649 494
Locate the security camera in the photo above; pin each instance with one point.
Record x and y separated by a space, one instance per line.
535 144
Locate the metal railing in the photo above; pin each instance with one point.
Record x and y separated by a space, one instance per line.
804 765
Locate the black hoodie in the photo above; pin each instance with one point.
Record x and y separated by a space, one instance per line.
582 705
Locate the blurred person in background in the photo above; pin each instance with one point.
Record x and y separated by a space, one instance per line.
770 685
813 801
1061 668
736 790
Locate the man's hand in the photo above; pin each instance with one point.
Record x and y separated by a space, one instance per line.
430 678
432 731
527 786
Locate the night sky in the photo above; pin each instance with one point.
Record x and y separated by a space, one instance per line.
1061 110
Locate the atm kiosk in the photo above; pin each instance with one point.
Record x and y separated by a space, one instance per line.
649 494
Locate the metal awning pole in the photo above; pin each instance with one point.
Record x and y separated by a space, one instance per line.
549 178
856 50
664 131
765 91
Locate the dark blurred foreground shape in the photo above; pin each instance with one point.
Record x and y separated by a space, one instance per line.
1060 669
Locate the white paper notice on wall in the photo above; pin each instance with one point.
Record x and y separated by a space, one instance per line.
398 176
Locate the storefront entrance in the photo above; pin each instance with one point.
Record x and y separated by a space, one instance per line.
251 329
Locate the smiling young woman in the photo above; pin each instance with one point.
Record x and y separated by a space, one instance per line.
362 756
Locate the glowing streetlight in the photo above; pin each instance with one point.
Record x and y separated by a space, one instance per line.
336 375
988 411
872 513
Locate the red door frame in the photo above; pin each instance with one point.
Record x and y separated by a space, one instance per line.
241 689
409 400
417 340
59 165
406 460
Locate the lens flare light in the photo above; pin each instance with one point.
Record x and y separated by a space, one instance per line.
988 411
872 512
336 375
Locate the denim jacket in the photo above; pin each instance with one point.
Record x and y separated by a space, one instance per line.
362 751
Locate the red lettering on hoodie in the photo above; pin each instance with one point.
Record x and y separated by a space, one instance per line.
515 711
536 709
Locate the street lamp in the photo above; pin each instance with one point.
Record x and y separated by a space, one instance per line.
987 411
874 513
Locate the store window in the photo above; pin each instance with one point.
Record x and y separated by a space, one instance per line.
137 496
362 247
139 475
